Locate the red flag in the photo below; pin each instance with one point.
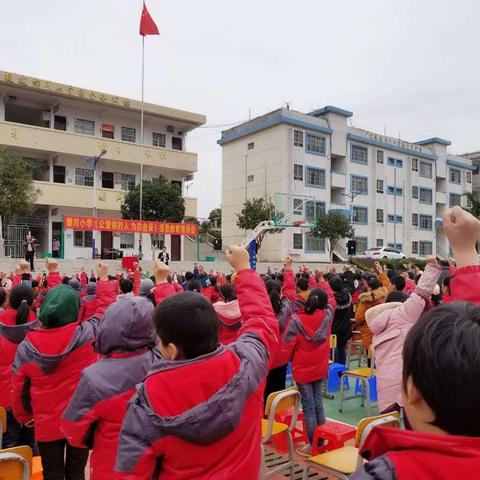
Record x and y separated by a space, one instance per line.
147 25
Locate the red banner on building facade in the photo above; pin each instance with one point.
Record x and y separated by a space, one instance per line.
72 222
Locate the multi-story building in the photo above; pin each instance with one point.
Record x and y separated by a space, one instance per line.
56 127
395 191
475 158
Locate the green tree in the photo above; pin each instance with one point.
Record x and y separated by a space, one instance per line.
161 202
215 218
17 191
474 202
254 211
332 226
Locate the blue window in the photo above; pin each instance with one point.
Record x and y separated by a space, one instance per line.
395 162
360 215
455 176
426 248
359 154
396 246
315 177
426 195
425 222
313 209
362 244
315 144
455 200
359 184
314 244
398 191
395 219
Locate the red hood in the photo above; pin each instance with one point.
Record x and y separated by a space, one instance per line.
53 341
311 323
8 316
54 279
229 312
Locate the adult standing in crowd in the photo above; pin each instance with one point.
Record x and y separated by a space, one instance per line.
163 256
55 247
29 246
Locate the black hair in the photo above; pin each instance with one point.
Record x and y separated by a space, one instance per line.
274 290
411 275
126 285
302 284
317 299
189 321
194 286
374 283
280 277
305 275
442 358
21 299
399 282
358 276
213 281
188 276
65 280
93 280
297 276
152 278
229 278
34 283
227 291
3 296
397 296
336 283
446 282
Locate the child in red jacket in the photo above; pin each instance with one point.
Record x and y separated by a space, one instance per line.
197 414
308 340
163 288
47 369
441 381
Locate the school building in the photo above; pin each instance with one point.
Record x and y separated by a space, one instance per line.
57 127
395 191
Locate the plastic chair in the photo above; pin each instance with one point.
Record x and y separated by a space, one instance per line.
3 424
355 345
335 433
364 375
277 402
344 461
15 463
37 469
333 347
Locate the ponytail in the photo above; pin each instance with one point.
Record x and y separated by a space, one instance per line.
21 299
274 292
317 300
23 312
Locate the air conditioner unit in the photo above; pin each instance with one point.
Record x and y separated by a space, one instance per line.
170 129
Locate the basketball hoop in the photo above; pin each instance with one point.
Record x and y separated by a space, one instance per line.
298 223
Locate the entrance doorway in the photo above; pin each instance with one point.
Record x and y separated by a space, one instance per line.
175 246
57 234
107 245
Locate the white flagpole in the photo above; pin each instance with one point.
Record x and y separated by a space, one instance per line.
142 141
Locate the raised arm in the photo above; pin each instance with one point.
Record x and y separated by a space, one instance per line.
288 288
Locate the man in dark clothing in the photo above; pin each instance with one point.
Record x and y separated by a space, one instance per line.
163 256
29 246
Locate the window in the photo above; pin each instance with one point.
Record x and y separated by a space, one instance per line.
85 127
58 174
359 184
250 178
297 172
159 140
297 206
414 192
129 134
359 154
426 248
380 156
250 146
107 179
360 215
469 177
455 176
397 191
362 244
426 169
415 248
469 203
395 219
395 162
395 247
414 164
108 131
379 186
60 123
379 242
82 239
314 244
414 219
426 196
315 177
298 138
127 182
310 214
380 215
455 200
177 143
315 144
425 222
297 241
84 176
127 240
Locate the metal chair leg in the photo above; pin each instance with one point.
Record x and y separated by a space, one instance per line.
367 393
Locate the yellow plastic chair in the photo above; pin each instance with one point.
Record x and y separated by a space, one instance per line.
279 402
15 463
3 424
362 374
341 463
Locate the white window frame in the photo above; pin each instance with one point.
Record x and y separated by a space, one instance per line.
452 175
359 154
127 240
430 169
321 176
84 126
87 238
127 181
128 134
297 236
82 175
380 186
298 138
296 168
315 144
382 215
159 140
414 164
380 157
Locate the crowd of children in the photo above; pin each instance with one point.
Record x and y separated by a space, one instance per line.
166 376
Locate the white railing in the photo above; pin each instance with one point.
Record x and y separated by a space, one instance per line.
340 250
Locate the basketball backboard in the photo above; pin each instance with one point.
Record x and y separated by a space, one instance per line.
292 210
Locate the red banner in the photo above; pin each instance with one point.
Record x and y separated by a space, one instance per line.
72 222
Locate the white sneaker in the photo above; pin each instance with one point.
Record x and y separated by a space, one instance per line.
305 451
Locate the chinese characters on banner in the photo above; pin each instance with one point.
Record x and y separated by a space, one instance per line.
128 226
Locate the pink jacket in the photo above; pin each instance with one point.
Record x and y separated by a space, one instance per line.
390 323
230 320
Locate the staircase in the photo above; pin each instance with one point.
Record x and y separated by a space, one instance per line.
340 250
260 229
190 249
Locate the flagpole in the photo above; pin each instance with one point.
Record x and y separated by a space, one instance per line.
142 141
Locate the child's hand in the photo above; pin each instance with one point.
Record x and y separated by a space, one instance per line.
161 271
102 271
431 260
287 263
24 266
462 230
238 258
377 267
51 264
